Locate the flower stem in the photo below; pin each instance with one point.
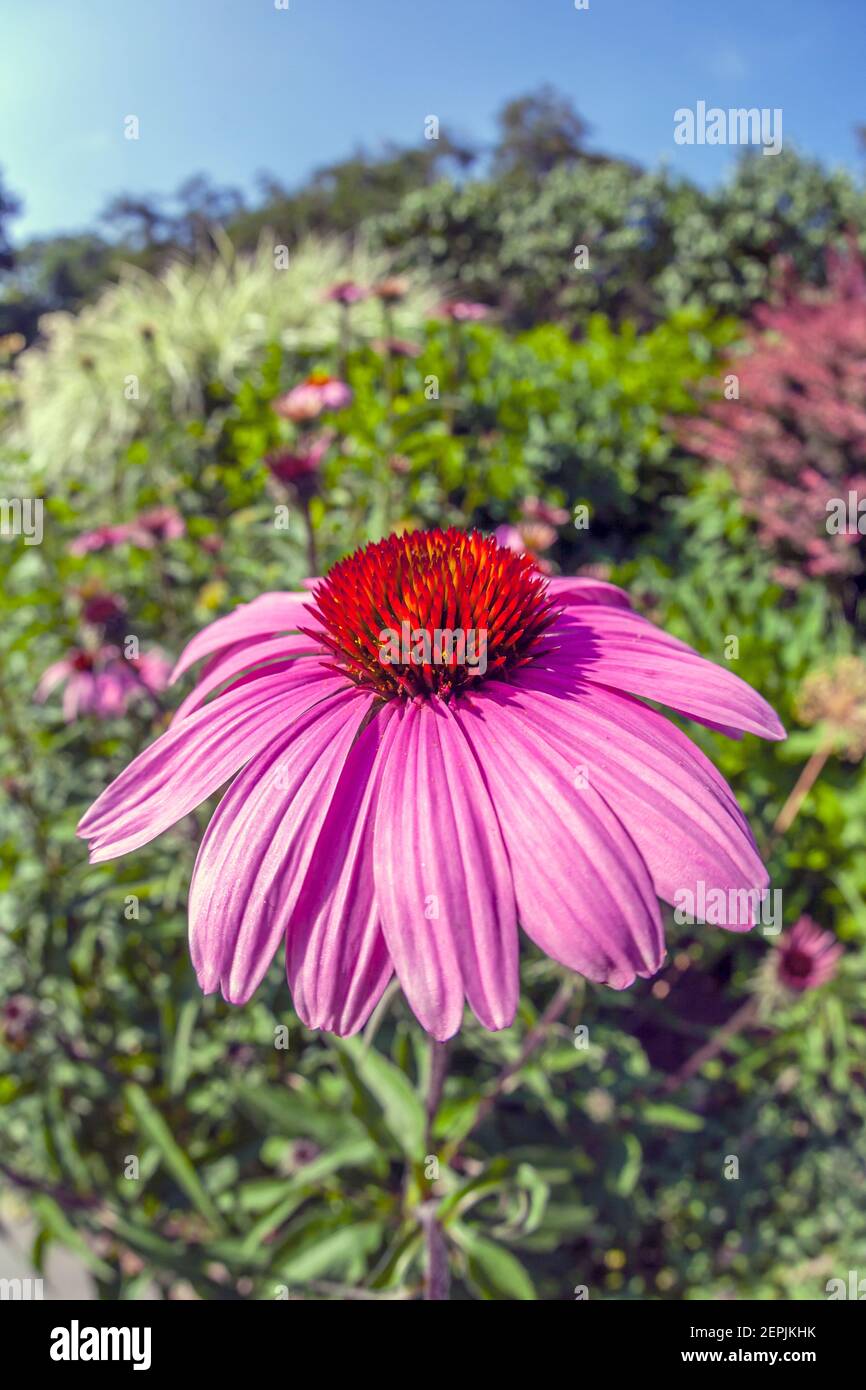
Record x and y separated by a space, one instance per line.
742 1018
804 784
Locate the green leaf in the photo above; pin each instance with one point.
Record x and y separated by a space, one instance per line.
493 1269
154 1128
402 1110
672 1117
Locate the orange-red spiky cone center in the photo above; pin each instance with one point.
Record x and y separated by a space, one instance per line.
432 612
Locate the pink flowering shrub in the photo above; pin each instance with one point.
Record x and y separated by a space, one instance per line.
794 435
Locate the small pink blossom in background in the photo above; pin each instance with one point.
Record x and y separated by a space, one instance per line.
534 509
464 311
307 401
102 538
347 292
389 816
144 531
300 467
392 289
397 347
153 670
808 956
102 609
528 538
211 544
157 525
102 682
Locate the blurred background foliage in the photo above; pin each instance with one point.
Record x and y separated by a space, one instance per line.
139 366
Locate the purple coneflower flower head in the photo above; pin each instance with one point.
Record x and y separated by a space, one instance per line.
157 525
347 292
397 347
102 682
808 956
434 745
534 509
392 289
465 311
299 468
102 609
319 392
101 538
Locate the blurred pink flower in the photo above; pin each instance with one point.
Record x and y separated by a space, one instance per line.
397 347
299 468
102 682
536 510
158 524
102 538
144 531
464 310
808 955
397 813
347 292
317 393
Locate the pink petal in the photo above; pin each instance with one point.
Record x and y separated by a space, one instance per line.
256 851
611 647
236 660
266 616
583 891
193 759
336 958
442 877
679 811
576 590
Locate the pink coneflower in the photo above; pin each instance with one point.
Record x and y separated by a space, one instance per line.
808 956
158 525
529 538
317 393
299 468
464 310
397 347
347 292
403 810
101 538
102 609
392 289
102 682
536 510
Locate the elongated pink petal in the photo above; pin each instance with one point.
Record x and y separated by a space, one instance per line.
611 647
266 616
575 589
192 760
336 958
255 853
584 893
442 876
255 658
679 811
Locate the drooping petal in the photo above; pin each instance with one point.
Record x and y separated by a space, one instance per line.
255 853
253 657
336 958
677 808
575 589
612 647
265 616
583 891
193 759
442 876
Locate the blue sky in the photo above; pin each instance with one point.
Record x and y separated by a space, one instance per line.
232 87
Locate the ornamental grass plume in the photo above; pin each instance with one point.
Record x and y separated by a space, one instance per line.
401 810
